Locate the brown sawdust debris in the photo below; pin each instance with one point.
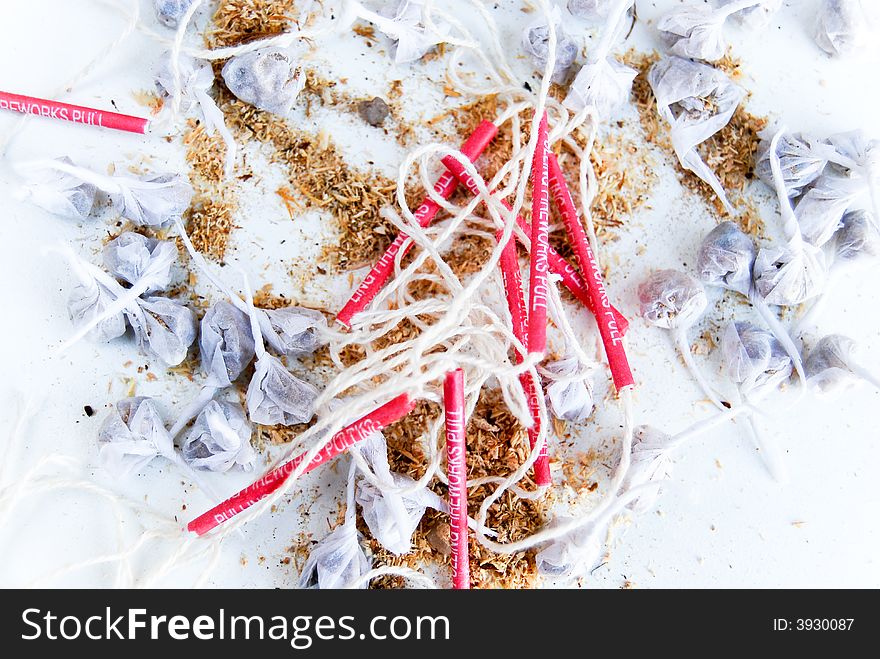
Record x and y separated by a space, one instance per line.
188 367
205 153
318 171
730 153
290 202
277 434
366 31
643 97
150 100
625 175
240 21
748 216
580 472
211 222
210 215
264 298
625 179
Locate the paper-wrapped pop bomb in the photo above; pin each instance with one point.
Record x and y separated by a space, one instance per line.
154 200
226 343
269 79
801 160
164 328
220 439
60 193
132 435
842 27
536 44
130 255
726 258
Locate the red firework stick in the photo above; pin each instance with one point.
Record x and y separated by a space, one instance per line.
445 186
456 473
512 279
572 280
540 240
373 422
558 265
612 337
75 113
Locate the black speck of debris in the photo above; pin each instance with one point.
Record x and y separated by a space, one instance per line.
89 410
527 86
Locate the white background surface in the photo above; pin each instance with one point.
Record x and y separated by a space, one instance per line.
723 523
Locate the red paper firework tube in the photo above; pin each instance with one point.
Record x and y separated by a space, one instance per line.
558 265
373 422
445 186
512 279
540 245
456 473
612 337
74 113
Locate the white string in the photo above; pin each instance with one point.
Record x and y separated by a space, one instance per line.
176 47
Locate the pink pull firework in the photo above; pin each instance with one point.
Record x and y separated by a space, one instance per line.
373 422
557 264
609 328
540 245
456 472
74 113
512 279
445 186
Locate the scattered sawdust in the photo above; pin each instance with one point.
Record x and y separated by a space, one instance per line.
188 367
211 222
318 172
405 449
643 98
625 177
500 452
730 153
205 152
366 31
625 173
210 217
277 434
240 21
150 100
264 298
749 216
580 471
319 177
437 52
290 202
731 65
